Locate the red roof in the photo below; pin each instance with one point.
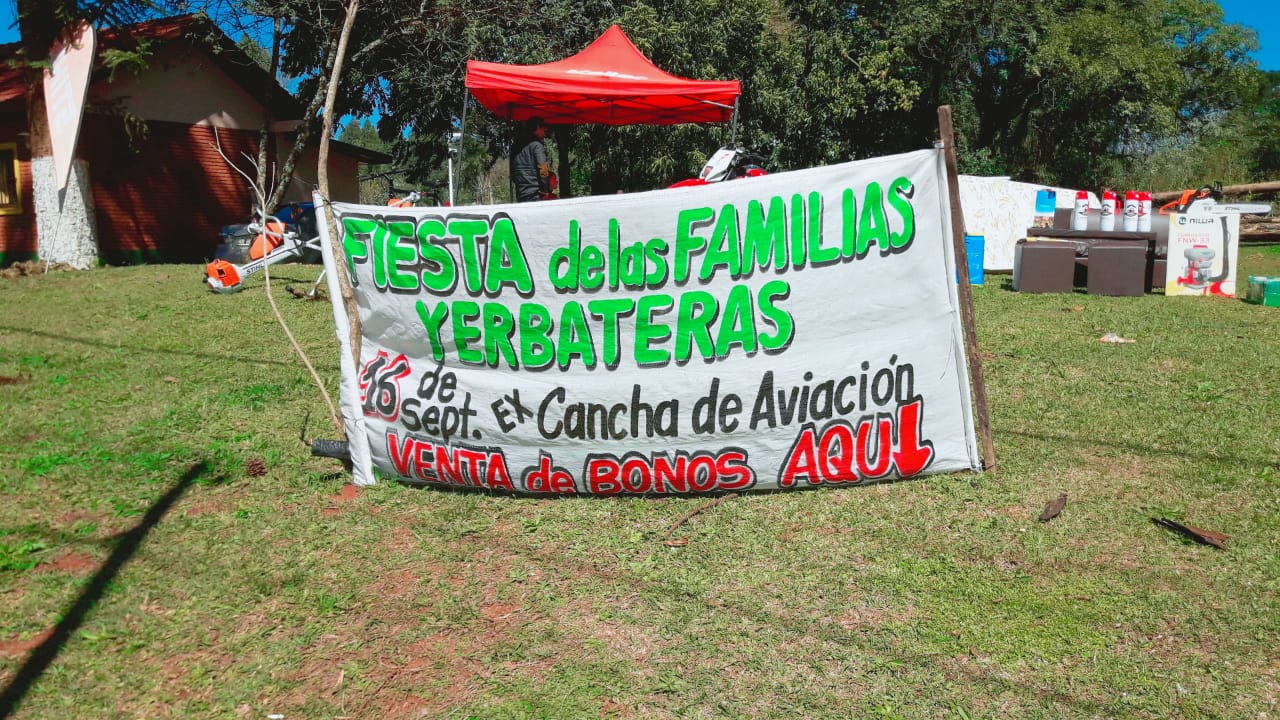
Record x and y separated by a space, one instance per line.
610 82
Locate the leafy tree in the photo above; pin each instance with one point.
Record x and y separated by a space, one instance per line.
1066 91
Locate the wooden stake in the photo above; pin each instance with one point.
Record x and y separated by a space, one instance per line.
322 176
966 292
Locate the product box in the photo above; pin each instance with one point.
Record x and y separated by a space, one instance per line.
1202 254
1264 290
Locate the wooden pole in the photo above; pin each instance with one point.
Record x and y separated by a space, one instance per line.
966 292
322 176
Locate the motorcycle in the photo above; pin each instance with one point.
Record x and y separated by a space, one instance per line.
728 163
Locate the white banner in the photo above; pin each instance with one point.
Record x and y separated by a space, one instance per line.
793 330
66 85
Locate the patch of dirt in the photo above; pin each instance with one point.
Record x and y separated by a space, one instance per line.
17 647
73 563
402 539
32 267
348 493
213 501
72 518
497 612
403 584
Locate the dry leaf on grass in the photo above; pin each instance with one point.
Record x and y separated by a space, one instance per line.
1207 537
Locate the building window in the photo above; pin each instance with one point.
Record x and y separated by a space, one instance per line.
10 184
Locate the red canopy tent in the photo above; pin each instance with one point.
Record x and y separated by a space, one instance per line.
610 82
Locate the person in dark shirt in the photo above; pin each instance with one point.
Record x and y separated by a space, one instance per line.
530 168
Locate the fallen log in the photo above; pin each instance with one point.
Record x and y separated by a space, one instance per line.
1262 188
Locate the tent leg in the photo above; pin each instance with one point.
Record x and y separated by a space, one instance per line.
733 124
564 137
462 143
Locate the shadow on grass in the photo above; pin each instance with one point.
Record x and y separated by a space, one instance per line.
127 544
1141 449
142 348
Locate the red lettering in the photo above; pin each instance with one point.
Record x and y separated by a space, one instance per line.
733 471
401 455
547 478
802 461
701 473
498 478
602 476
669 476
837 465
912 455
448 469
883 451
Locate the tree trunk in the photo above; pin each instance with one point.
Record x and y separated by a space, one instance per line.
322 175
266 144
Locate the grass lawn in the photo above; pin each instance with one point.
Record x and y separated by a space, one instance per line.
169 549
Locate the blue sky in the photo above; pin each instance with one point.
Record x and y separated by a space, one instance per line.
1257 14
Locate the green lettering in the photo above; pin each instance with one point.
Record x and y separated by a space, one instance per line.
849 225
469 233
819 255
797 231
536 349
900 193
432 320
506 265
610 310
356 233
687 242
441 272
698 309
567 257
765 236
398 253
592 267
498 328
575 337
464 333
737 323
649 332
724 250
872 225
770 294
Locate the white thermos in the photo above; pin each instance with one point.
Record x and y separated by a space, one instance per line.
1130 223
1107 216
1080 215
1144 211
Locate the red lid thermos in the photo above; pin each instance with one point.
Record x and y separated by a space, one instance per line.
1080 216
1130 223
1107 217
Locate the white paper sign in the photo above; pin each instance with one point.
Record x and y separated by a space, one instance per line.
794 330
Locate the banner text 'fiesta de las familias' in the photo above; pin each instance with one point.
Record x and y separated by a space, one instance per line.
793 330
